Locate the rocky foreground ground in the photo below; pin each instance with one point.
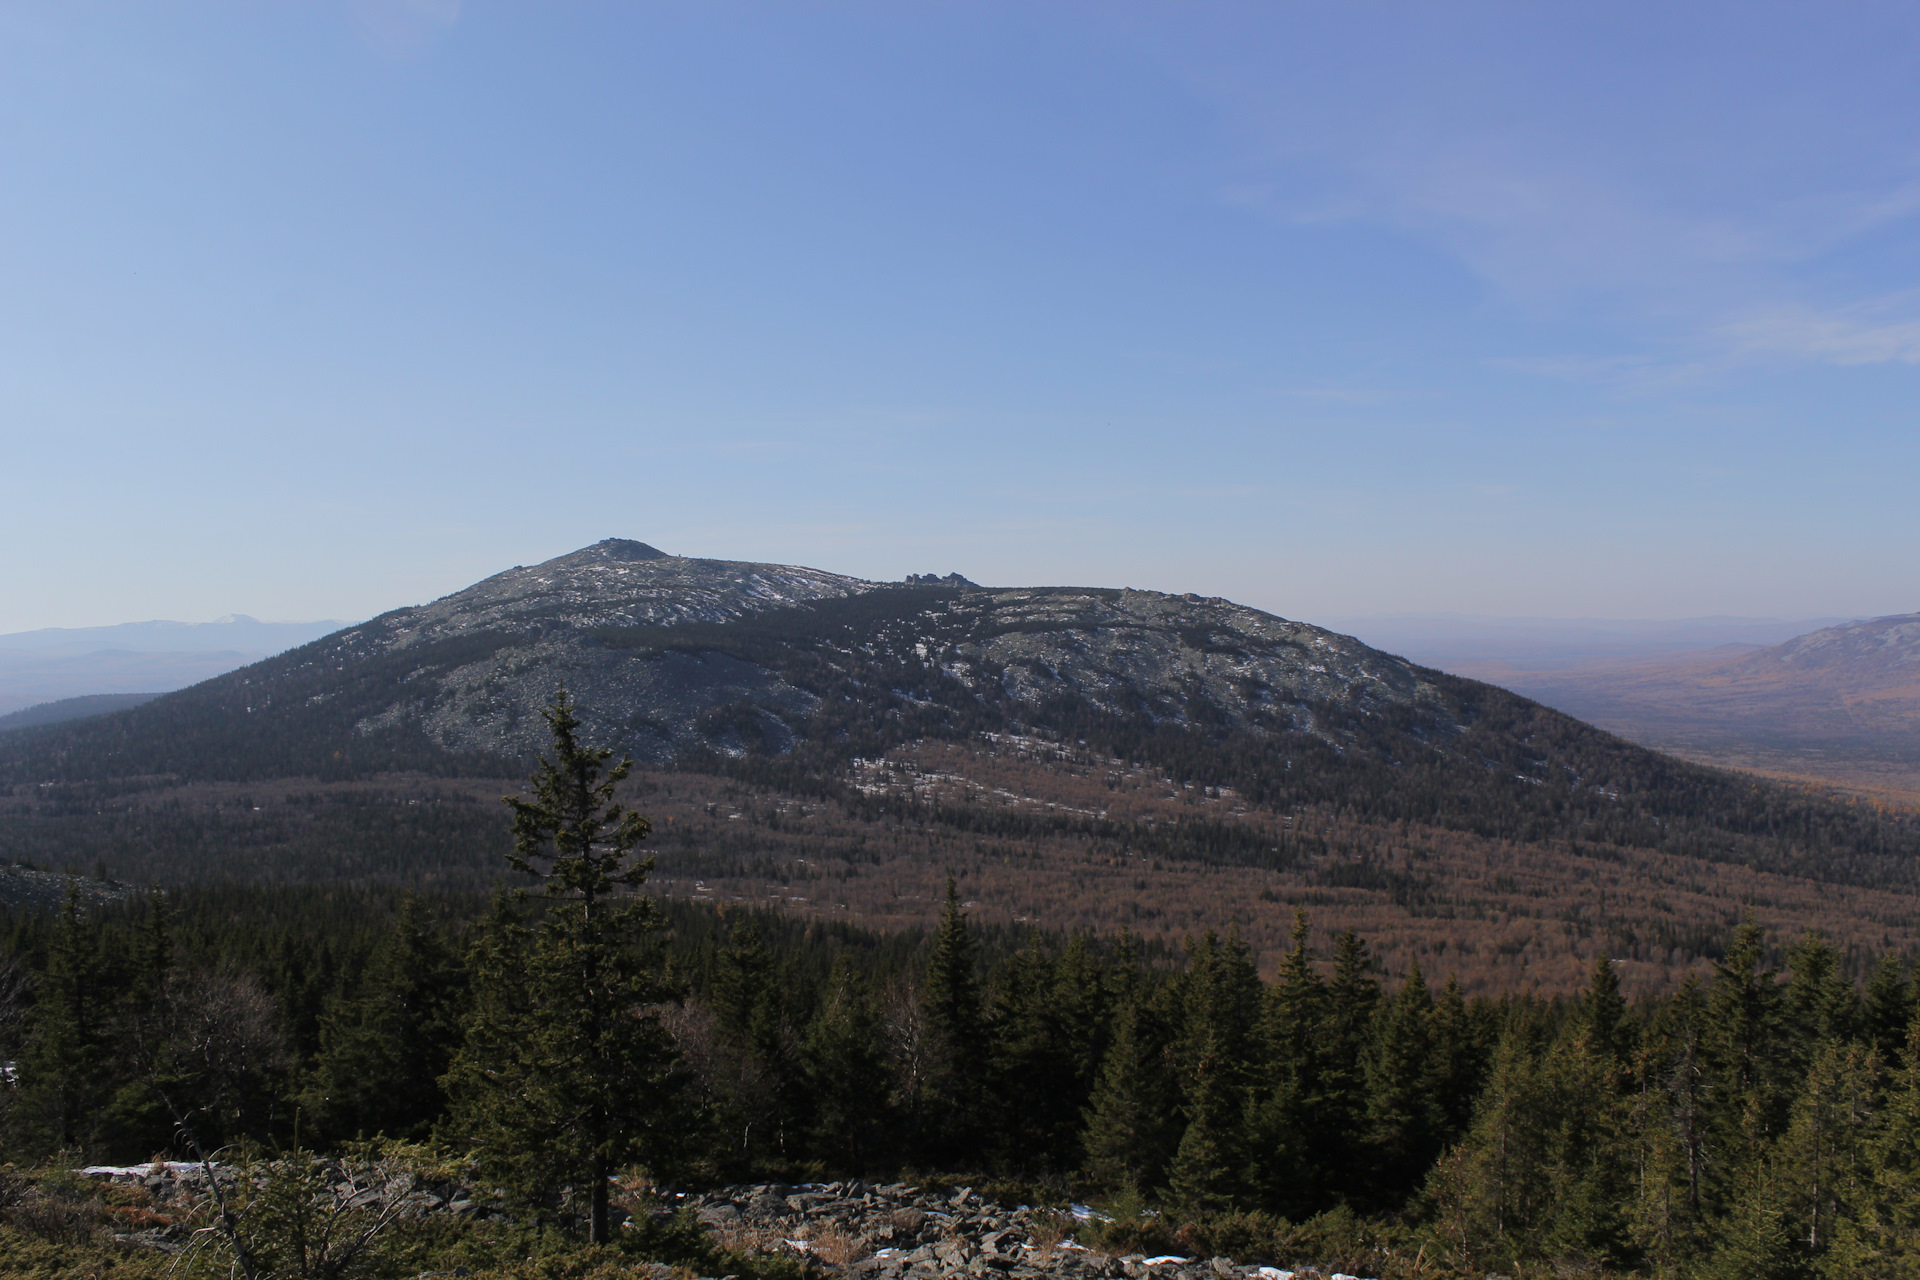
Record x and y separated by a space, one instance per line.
900 1232
856 1230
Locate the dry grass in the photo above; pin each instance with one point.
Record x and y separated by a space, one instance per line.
1046 1230
834 1245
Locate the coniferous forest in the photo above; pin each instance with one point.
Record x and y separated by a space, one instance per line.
575 1050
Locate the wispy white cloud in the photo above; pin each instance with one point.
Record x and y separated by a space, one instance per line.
1667 194
1858 335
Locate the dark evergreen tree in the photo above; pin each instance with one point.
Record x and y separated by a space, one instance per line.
1353 994
1603 1010
758 1100
1047 1034
566 1075
1404 1119
1284 1121
1205 1176
1460 1051
849 1080
385 1046
1888 1009
63 1075
1882 1237
1132 1123
1743 1056
954 1082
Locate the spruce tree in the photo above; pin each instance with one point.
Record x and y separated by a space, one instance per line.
1404 1118
1591 1172
1046 1045
384 1047
1131 1123
1744 1053
1882 1237
849 1079
566 1075
1824 1155
63 1075
758 1098
1604 1011
1205 1174
953 1088
138 1119
1353 994
1283 1111
1668 1118
1888 1009
1459 1059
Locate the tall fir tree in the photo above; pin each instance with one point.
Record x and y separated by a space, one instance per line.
849 1079
64 1073
384 1046
566 1074
1404 1118
1205 1176
1888 1009
1353 995
1824 1156
954 1081
1744 1055
1132 1117
1882 1237
1283 1107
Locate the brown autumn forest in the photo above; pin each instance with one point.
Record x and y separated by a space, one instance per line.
1502 916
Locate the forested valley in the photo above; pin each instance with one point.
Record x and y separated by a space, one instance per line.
360 1079
1764 1123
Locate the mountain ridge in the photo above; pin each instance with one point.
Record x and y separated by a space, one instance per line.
785 675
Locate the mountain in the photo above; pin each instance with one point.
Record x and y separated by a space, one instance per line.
72 709
60 663
235 632
1842 702
1495 649
1073 750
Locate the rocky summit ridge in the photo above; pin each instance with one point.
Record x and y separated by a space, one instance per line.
671 657
616 582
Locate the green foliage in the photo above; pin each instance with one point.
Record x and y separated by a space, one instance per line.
384 1046
1748 1125
567 1073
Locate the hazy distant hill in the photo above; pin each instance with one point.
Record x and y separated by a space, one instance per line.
1841 702
65 709
59 663
1499 649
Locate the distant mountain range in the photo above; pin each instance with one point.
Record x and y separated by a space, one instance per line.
1502 649
1841 702
60 664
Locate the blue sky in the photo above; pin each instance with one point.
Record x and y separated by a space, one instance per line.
1335 309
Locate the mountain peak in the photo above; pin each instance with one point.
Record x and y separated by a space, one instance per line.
623 549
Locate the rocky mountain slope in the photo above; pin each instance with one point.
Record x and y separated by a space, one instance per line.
671 655
794 682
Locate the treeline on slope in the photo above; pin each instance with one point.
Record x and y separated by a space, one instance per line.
1759 1125
1487 761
